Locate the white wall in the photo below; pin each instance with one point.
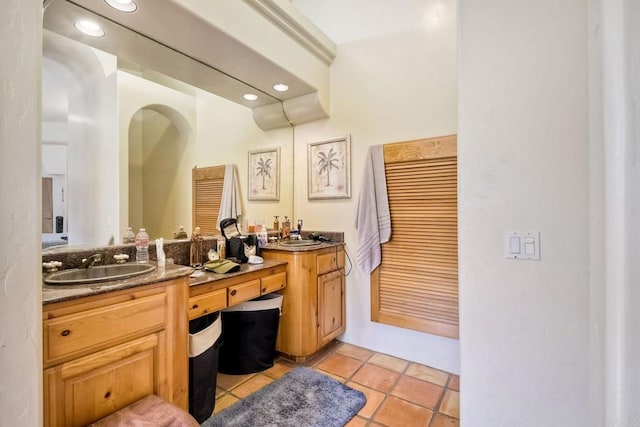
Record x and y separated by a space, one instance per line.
87 77
137 96
620 37
93 155
524 165
226 133
394 79
20 293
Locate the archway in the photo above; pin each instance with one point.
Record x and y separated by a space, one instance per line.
159 139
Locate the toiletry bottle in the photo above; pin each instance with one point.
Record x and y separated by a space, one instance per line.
129 236
286 228
196 248
160 255
276 224
142 246
220 245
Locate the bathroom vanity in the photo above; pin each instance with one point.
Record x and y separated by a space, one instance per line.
313 307
111 343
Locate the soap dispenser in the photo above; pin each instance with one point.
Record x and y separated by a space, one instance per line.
286 228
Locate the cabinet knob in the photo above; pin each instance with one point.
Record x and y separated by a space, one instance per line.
65 333
264 290
195 306
107 395
233 292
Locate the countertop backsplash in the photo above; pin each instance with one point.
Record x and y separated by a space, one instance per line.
178 250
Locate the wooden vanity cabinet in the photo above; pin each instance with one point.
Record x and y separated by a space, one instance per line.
330 307
313 307
217 295
102 353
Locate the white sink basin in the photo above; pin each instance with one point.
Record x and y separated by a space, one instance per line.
98 273
299 242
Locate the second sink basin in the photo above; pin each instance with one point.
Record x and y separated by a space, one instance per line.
98 273
299 242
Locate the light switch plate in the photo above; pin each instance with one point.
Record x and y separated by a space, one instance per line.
522 245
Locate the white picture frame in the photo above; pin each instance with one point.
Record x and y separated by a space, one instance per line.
264 174
329 168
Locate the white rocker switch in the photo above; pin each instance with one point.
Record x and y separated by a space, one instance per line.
522 245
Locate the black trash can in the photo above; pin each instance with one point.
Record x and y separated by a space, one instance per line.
205 339
249 331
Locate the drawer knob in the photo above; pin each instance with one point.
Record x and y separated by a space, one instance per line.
65 333
264 290
195 306
233 292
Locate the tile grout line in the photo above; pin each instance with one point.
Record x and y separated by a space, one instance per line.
362 362
386 395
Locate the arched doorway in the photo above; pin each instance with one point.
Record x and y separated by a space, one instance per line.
159 139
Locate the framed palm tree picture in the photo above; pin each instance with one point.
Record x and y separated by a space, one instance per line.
264 174
329 168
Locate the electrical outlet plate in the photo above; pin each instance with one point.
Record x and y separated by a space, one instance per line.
522 245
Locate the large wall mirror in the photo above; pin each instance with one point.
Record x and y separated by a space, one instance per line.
120 140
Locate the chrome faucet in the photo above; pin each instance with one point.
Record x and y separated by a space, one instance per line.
91 261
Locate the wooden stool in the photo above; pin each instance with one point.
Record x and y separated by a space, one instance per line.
151 411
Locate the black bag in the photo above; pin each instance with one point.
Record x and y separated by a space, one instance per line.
239 247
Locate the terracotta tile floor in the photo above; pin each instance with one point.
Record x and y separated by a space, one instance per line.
399 392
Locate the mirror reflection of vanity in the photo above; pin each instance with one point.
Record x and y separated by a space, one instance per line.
126 118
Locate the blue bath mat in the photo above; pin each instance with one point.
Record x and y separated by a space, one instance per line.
302 397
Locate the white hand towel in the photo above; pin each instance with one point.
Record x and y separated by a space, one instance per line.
373 219
230 203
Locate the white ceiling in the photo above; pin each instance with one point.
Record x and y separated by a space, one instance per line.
345 21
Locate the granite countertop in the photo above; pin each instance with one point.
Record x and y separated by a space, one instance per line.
201 276
58 293
302 248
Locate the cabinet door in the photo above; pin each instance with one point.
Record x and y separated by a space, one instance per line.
84 390
330 307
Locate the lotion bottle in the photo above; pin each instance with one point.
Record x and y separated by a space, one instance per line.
160 253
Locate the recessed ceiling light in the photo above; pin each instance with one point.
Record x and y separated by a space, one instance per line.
90 28
281 87
123 5
250 96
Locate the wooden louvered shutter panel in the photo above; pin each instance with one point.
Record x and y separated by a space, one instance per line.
207 192
416 285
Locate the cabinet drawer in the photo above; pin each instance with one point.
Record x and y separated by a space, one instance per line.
243 292
274 282
327 262
207 303
94 328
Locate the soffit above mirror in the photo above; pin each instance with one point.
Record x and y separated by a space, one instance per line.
181 41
